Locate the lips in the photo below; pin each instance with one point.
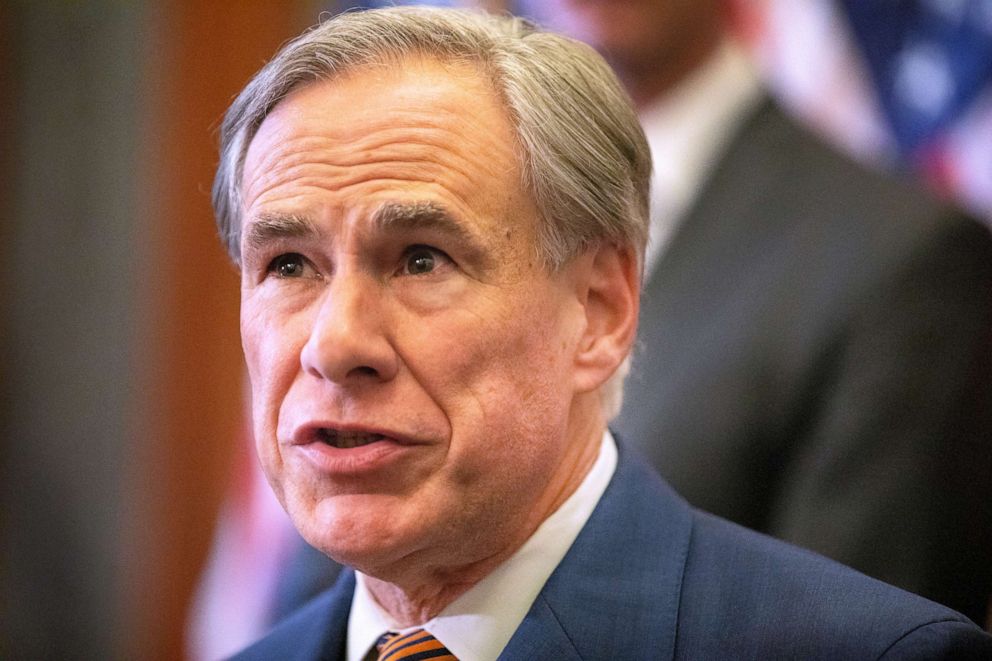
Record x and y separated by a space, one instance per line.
343 436
347 440
349 450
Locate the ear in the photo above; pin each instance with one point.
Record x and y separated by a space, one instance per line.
611 295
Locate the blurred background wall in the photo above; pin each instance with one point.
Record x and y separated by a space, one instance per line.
73 246
120 358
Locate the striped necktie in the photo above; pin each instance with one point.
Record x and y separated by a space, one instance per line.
413 646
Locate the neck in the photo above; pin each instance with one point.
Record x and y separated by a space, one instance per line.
416 605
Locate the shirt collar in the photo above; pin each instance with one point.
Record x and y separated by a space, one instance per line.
688 129
479 624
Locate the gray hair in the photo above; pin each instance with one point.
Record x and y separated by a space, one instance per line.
582 152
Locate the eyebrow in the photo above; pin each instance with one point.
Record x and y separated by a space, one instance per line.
430 217
269 227
406 216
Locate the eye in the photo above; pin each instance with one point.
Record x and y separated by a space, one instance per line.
289 265
421 260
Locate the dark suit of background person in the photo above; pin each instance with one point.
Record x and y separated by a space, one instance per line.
813 358
651 578
814 363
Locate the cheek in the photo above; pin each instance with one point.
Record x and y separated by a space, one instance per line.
272 357
272 366
500 384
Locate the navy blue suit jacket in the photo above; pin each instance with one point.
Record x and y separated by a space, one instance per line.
651 578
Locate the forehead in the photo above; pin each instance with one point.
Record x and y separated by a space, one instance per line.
405 85
417 126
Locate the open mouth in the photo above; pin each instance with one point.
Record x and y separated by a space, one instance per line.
347 440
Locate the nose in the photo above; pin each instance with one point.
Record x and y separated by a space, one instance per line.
348 343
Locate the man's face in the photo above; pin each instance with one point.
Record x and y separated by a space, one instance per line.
411 361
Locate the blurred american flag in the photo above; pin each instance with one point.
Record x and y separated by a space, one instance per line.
903 83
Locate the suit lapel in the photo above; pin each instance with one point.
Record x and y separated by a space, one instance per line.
540 636
616 592
325 640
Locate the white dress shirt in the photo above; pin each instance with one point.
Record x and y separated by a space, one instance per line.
688 130
479 624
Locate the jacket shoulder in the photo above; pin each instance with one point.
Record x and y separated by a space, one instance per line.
946 639
315 631
746 595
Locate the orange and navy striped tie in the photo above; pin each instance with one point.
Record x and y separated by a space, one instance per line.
413 646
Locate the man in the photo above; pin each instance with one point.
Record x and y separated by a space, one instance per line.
815 337
439 219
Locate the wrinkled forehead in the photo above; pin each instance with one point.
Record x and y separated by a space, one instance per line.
467 73
436 131
397 88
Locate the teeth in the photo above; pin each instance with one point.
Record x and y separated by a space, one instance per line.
347 440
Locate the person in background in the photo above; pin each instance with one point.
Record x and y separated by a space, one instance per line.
439 218
815 340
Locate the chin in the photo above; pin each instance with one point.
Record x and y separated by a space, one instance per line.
351 530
